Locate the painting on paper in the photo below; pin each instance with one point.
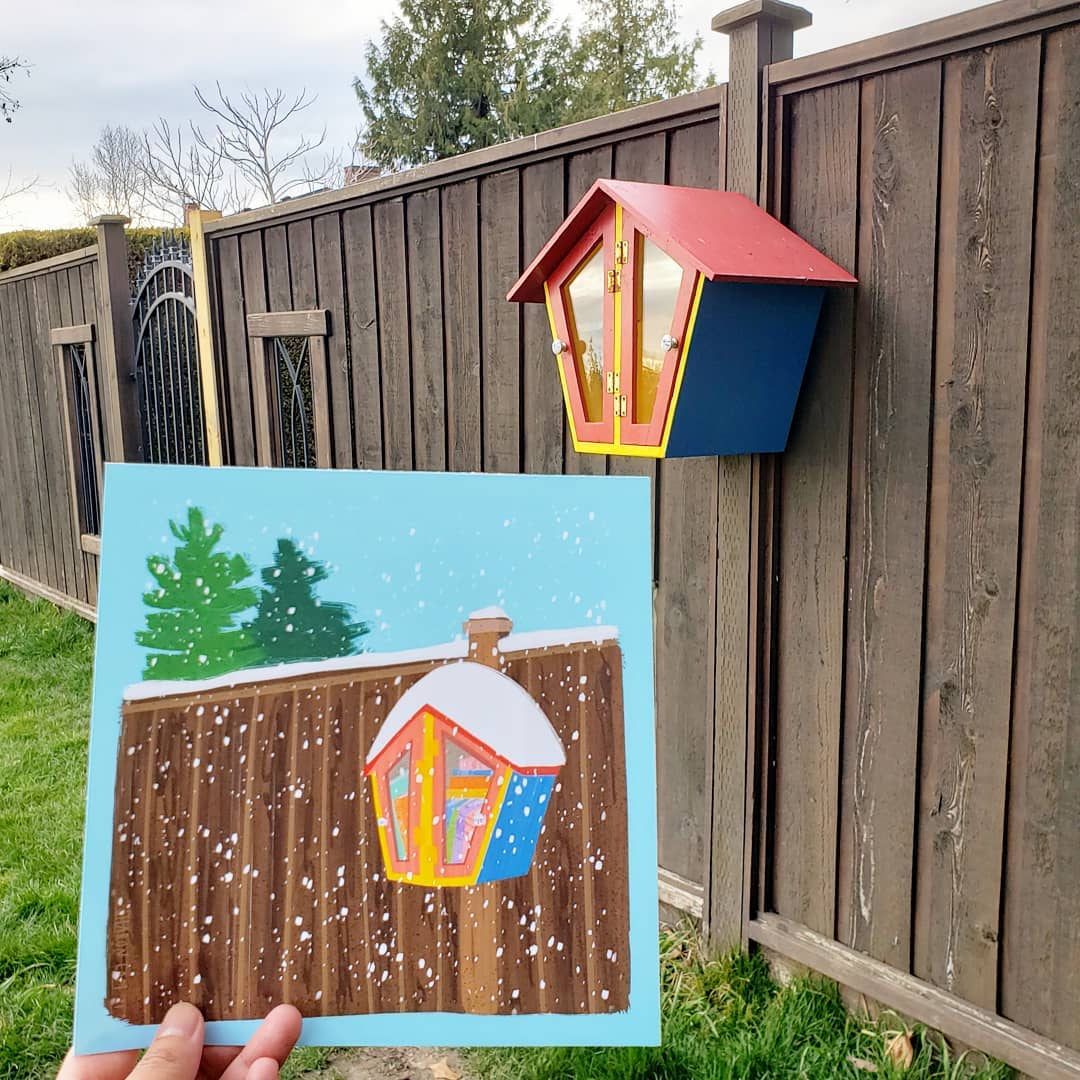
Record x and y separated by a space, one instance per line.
363 742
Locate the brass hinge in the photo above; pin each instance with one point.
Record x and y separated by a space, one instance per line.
614 281
622 405
612 382
622 252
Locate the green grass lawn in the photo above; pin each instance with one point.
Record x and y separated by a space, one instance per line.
722 1018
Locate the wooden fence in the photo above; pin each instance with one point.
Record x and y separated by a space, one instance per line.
868 648
237 905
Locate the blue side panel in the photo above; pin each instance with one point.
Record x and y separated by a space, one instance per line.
744 369
518 827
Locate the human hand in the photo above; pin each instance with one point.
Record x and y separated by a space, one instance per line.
177 1052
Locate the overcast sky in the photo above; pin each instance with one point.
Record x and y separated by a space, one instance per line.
98 62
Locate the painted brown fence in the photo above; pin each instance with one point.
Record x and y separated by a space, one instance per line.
238 904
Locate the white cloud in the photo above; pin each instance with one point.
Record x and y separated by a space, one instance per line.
100 62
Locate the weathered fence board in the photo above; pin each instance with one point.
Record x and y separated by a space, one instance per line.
988 150
1040 947
426 331
393 301
889 474
813 524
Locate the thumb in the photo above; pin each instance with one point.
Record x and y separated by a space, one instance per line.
177 1048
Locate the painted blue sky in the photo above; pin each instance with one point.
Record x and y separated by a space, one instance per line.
413 554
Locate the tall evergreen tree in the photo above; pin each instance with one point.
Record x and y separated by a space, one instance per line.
292 622
456 75
628 53
193 628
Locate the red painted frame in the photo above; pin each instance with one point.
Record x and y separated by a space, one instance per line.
650 433
602 231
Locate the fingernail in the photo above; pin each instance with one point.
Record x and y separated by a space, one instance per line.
181 1021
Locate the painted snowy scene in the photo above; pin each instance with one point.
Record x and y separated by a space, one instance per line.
301 816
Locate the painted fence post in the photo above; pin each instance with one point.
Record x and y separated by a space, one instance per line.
760 32
115 354
195 219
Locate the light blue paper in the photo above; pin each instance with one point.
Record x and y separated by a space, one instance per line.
415 553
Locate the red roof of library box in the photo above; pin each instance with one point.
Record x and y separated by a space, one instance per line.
721 233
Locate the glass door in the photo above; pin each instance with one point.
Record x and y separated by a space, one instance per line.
581 293
655 310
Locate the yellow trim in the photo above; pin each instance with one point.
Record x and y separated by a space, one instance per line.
424 829
196 219
559 365
683 356
616 337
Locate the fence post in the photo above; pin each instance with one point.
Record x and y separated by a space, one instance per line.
115 356
760 32
195 219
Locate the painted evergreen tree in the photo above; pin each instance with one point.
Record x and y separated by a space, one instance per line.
292 622
194 630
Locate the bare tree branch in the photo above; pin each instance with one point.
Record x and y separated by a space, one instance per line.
179 173
12 187
9 65
248 131
114 180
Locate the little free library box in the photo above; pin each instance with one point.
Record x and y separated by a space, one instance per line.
681 319
442 829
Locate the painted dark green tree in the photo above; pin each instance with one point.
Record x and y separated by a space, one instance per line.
293 623
194 629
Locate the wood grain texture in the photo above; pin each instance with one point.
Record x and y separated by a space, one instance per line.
330 289
77 576
984 266
685 618
359 253
461 310
246 867
391 276
253 272
426 338
543 421
17 477
236 405
893 392
1040 942
500 322
813 525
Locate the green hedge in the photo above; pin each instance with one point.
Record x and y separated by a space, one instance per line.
33 245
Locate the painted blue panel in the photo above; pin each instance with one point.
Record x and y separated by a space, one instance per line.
517 827
744 369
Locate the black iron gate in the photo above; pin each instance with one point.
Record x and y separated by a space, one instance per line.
167 356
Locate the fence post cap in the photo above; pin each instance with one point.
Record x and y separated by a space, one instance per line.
111 219
798 18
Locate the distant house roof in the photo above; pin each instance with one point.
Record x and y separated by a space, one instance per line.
488 705
723 234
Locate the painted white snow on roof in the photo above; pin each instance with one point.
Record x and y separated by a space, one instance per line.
458 649
492 612
552 639
453 650
487 704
